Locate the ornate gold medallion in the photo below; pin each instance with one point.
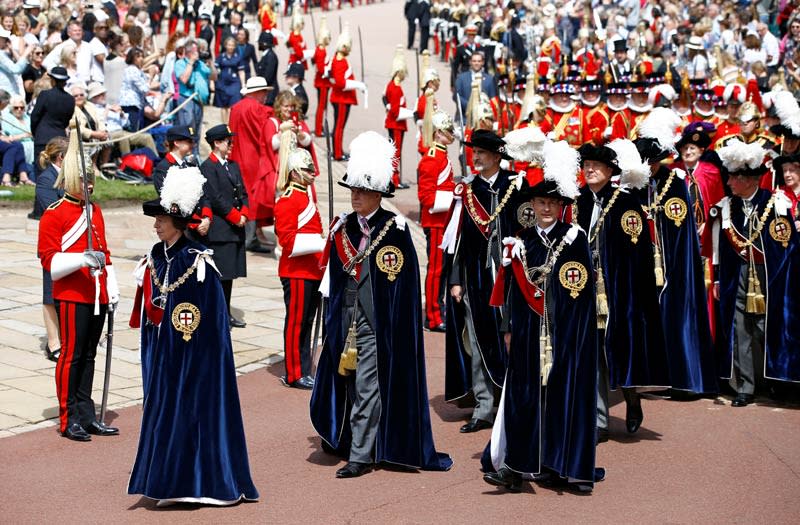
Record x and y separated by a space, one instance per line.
675 209
186 319
526 216
573 277
780 229
632 225
390 261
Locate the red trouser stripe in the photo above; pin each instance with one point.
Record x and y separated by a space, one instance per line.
433 279
397 138
293 331
338 133
217 41
322 103
67 322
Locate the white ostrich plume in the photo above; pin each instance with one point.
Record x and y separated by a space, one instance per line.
183 188
561 165
736 155
635 172
787 110
525 144
661 125
371 162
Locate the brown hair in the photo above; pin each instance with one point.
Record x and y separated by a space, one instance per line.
57 146
285 97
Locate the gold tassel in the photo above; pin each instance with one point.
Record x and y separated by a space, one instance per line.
756 303
546 360
707 273
659 270
349 357
602 301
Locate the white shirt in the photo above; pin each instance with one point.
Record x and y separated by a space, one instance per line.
771 45
96 47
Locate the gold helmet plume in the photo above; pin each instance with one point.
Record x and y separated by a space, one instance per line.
69 178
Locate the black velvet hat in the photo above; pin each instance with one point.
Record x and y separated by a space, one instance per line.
488 140
602 154
777 166
545 188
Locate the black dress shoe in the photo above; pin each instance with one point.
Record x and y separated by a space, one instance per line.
442 328
403 186
75 432
504 477
52 355
353 470
101 429
304 383
343 158
602 435
257 247
633 417
474 425
235 323
742 400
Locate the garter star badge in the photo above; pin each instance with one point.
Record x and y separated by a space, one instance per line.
675 210
573 277
632 225
186 319
390 261
780 229
526 216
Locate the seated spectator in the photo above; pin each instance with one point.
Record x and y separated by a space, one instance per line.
17 126
135 86
115 121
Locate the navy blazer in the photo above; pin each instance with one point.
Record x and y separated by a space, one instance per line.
464 86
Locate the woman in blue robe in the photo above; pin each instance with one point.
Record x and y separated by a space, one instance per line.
192 445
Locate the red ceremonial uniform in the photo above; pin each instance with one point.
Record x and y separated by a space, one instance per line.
725 130
249 151
597 120
435 175
395 99
322 85
571 130
534 174
341 99
625 123
420 111
296 46
63 229
297 213
506 114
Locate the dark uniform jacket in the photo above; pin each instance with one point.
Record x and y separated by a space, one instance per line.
51 115
225 191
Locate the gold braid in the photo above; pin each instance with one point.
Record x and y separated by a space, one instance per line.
545 269
174 286
761 222
357 258
656 206
493 216
599 223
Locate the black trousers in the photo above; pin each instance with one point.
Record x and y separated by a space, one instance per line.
80 335
301 297
412 31
424 35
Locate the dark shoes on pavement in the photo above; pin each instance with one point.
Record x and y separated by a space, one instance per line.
257 247
52 355
742 400
602 435
304 383
235 323
75 432
633 416
505 477
474 425
403 186
101 429
353 470
442 328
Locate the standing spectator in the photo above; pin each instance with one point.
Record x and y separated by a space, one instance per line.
46 194
114 66
11 70
424 19
410 12
230 80
771 46
135 85
33 71
193 76
267 67
52 112
206 32
22 32
225 191
247 52
294 82
98 51
697 67
82 52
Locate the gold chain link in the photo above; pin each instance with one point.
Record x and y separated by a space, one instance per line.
601 219
174 286
353 259
494 215
759 227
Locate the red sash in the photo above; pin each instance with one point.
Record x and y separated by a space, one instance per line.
154 313
533 295
480 213
339 240
731 234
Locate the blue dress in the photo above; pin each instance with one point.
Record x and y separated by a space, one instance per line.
192 444
229 85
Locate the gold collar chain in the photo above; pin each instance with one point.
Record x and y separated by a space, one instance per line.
759 227
353 259
495 214
174 286
656 205
545 269
599 223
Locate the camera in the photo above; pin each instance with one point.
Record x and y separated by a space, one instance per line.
204 56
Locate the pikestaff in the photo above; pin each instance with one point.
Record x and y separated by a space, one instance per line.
363 76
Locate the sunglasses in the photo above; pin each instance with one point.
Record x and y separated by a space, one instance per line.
17 107
38 53
79 95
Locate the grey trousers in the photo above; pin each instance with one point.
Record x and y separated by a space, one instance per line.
364 394
748 340
482 385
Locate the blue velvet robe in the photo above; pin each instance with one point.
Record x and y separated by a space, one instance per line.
634 336
551 427
782 291
468 268
405 436
192 441
684 310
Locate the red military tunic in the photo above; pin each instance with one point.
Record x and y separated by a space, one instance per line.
340 72
395 99
249 151
571 130
597 121
725 130
624 124
323 86
63 229
297 47
296 212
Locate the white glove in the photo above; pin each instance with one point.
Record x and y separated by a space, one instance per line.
95 260
65 263
350 85
308 54
405 114
112 285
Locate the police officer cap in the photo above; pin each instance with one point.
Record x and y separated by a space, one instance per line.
181 133
296 69
219 132
266 39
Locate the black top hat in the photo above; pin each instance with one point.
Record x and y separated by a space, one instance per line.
296 69
777 165
545 188
59 73
488 140
602 154
620 45
696 133
218 132
180 133
650 150
153 208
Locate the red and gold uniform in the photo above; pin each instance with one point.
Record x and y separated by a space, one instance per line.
297 48
506 114
394 123
597 121
571 129
435 178
341 98
322 85
625 123
267 17
297 224
82 300
725 130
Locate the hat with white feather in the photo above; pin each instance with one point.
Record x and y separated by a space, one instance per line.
658 135
371 164
180 194
560 163
634 171
740 158
788 112
526 144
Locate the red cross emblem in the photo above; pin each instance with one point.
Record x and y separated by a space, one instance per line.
780 227
675 208
186 318
528 214
573 276
389 259
632 221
